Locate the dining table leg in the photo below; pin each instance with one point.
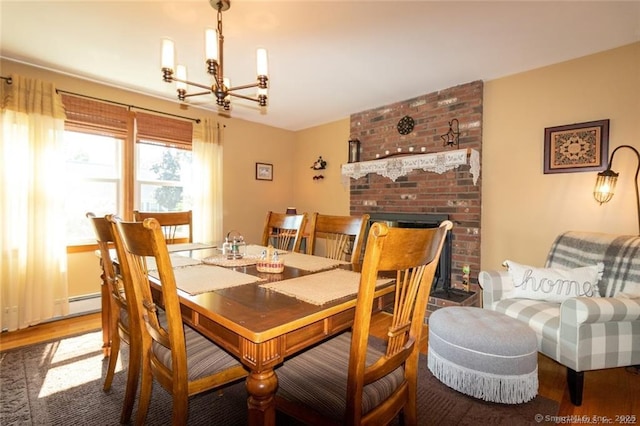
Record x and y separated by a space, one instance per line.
261 387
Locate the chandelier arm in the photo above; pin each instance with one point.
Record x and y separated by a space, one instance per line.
191 83
246 86
249 98
188 95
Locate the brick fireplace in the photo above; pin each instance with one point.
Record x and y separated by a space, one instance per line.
452 193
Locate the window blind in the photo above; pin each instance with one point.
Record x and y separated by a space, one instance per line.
105 118
89 115
167 130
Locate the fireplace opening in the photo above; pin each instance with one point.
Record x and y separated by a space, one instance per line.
442 279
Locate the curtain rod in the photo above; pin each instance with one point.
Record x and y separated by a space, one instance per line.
197 120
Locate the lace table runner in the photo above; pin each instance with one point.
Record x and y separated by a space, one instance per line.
322 287
221 260
256 250
203 278
252 253
310 263
395 167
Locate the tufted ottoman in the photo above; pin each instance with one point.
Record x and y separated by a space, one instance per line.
484 354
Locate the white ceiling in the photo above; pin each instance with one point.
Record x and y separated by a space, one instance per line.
327 59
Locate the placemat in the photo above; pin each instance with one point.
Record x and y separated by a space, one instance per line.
188 246
322 287
203 278
221 260
177 261
310 263
256 250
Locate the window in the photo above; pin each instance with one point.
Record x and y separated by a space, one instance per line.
93 178
163 178
111 169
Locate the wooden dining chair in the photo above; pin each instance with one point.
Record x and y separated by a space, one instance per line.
337 237
171 223
284 231
122 317
181 360
344 380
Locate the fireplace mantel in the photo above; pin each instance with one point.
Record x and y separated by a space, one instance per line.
395 167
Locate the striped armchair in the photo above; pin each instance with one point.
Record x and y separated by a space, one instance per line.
582 333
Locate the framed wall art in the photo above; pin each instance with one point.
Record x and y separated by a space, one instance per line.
264 171
581 147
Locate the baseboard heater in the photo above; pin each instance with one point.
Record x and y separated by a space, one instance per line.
78 305
85 304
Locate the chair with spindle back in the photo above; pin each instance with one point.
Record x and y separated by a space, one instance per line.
122 316
172 224
337 237
181 360
346 381
284 231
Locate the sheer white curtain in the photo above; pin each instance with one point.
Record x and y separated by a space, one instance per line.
207 181
33 266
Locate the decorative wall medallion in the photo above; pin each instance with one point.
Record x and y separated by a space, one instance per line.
405 125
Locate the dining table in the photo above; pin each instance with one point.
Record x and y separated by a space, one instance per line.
264 318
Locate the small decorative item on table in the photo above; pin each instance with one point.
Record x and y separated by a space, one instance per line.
270 262
234 246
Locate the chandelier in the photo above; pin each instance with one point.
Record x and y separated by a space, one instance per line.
221 87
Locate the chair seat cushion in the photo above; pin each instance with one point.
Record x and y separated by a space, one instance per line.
203 356
317 378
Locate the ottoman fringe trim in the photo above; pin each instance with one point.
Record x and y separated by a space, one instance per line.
489 387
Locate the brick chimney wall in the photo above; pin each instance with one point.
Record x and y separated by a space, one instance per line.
452 192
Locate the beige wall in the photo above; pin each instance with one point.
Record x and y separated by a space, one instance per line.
245 199
524 209
83 272
326 195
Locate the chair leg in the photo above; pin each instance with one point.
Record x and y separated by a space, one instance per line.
180 409
113 359
133 373
409 414
575 382
146 386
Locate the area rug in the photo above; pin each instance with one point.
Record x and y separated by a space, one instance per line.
60 383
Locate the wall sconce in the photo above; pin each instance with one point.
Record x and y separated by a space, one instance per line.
354 150
606 182
452 137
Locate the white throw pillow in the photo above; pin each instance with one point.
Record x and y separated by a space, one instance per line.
553 284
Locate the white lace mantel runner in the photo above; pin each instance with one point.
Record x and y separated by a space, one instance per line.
394 167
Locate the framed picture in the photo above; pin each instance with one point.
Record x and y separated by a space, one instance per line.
581 147
264 171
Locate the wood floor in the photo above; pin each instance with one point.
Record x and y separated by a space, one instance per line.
610 394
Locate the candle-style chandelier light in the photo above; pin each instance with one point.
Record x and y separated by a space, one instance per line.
221 87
